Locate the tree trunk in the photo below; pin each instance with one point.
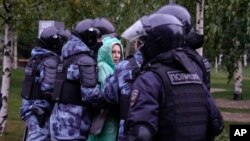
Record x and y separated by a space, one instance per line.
238 81
220 59
171 1
5 78
216 64
14 52
200 20
245 59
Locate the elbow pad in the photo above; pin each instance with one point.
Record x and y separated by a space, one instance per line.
88 71
50 67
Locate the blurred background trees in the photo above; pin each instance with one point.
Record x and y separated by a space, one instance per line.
226 27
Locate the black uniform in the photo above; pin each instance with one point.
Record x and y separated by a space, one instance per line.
172 101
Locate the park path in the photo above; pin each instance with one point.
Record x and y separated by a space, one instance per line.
243 117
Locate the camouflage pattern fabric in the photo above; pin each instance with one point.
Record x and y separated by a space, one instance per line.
35 132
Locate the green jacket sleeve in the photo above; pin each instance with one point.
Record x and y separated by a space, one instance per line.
104 71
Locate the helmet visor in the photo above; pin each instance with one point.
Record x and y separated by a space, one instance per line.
134 31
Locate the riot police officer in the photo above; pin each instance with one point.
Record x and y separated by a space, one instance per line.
168 99
38 83
193 40
76 88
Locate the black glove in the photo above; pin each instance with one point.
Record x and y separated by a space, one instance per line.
40 114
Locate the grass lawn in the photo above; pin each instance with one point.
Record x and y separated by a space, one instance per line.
15 127
219 80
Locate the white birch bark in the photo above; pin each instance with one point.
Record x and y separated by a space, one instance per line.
216 64
15 58
200 20
5 79
245 59
238 77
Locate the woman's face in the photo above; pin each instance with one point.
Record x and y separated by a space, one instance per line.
116 53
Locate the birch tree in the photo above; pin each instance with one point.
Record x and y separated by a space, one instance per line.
200 20
229 34
238 77
6 71
171 1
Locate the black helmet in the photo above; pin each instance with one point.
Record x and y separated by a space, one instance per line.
105 26
194 40
159 33
53 39
87 33
180 12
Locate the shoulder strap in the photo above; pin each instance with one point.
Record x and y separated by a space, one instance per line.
31 68
158 70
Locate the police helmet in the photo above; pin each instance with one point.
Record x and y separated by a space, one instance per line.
87 33
180 12
159 33
53 39
105 26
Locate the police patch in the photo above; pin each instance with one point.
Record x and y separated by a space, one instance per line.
133 97
178 77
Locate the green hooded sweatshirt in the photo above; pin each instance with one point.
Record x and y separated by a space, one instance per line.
106 64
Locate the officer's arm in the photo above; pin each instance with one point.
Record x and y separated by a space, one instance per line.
110 89
118 85
144 108
216 123
49 73
90 90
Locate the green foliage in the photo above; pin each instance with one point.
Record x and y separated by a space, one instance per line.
27 14
227 30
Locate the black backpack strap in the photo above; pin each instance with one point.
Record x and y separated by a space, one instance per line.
63 86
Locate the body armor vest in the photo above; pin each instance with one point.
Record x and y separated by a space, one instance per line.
67 91
183 106
31 90
203 64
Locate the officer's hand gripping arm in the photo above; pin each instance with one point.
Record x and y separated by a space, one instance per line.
40 115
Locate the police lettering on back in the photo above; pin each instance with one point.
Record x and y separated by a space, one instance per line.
178 77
